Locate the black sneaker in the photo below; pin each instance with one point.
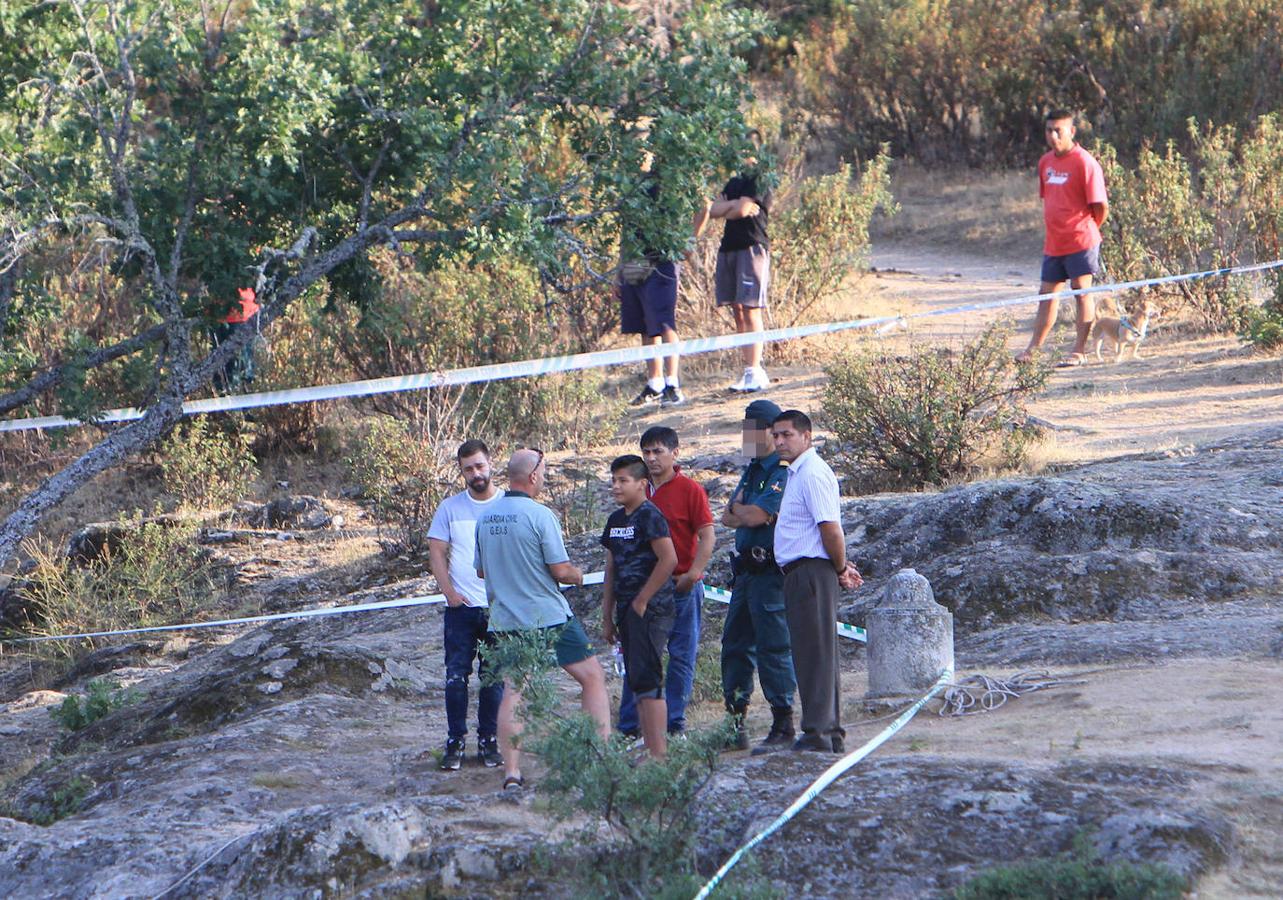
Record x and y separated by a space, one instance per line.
671 396
488 752
647 396
452 759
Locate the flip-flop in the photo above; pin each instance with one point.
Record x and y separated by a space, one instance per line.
1076 360
514 783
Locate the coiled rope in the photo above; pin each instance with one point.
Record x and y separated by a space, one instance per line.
984 693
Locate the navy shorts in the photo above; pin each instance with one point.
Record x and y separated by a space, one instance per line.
650 307
1056 269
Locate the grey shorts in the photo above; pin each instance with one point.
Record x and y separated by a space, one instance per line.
743 276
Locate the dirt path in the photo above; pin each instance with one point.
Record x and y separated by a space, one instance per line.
1185 391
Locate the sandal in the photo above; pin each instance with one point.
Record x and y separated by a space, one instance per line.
513 783
1076 359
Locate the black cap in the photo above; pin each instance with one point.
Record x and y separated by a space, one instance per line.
763 412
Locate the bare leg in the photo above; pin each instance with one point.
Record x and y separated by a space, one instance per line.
509 728
1045 319
653 369
749 319
1086 314
670 362
653 713
594 700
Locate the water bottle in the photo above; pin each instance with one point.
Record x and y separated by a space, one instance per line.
618 657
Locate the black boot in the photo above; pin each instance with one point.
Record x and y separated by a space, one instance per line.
738 738
782 733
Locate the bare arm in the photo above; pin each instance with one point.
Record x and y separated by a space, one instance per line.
1099 211
566 573
608 601
701 218
666 562
739 208
439 561
834 544
707 539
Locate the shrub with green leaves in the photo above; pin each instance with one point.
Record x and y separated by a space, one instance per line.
403 473
648 805
821 234
1216 206
1076 877
1265 328
206 465
154 575
101 697
63 801
935 413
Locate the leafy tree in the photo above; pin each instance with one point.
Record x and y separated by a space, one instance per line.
185 149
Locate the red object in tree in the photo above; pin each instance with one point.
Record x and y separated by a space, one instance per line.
249 306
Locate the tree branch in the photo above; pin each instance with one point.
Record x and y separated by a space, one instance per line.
51 378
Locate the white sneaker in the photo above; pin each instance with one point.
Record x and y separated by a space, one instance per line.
755 379
742 385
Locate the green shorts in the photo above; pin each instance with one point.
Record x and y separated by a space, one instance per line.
572 643
568 642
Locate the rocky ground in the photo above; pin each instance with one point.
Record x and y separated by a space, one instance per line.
1140 566
290 759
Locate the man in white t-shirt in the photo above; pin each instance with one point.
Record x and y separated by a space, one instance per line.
451 547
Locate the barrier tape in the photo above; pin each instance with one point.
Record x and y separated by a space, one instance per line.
596 359
720 595
831 774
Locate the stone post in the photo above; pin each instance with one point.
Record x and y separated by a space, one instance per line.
910 639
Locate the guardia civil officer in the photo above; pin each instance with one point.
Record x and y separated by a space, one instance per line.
756 628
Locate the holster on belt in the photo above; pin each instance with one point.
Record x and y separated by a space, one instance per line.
755 561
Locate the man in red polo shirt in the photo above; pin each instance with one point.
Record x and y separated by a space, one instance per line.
690 524
1072 186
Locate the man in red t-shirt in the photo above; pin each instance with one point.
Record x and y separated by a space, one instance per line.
690 524
1074 206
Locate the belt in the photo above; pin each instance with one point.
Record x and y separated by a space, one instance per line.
789 567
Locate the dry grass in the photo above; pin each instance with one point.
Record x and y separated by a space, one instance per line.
992 213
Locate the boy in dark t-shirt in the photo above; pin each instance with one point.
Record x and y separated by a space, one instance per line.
637 601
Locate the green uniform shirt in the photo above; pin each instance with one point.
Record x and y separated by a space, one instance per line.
762 485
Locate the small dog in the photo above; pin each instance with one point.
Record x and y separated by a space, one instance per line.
1125 331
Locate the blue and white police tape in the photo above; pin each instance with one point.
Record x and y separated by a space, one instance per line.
597 359
831 774
591 578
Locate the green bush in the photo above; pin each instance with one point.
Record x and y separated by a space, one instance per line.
1265 327
933 414
403 474
421 319
1074 878
64 801
820 235
1217 206
648 805
936 79
103 696
206 466
156 575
